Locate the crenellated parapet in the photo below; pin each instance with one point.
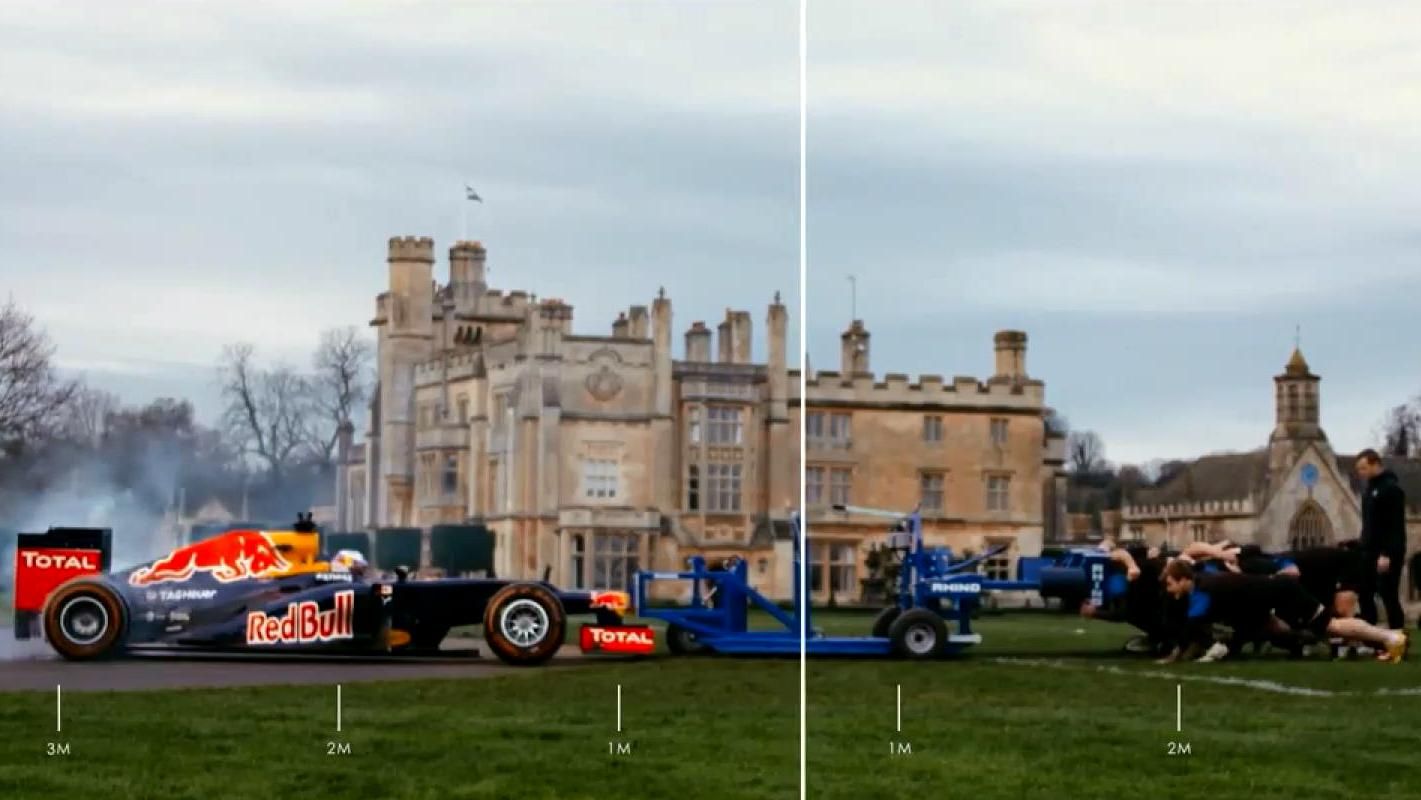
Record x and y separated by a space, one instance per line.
897 388
411 248
497 301
1191 510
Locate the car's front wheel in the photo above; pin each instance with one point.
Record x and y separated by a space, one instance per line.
524 624
85 620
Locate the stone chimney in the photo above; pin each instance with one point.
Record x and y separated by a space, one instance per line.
640 323
740 327
661 351
466 273
622 327
1011 355
735 338
723 340
777 322
698 343
853 350
555 314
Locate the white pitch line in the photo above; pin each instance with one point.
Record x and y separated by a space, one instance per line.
1220 680
1178 707
619 708
900 708
337 708
58 708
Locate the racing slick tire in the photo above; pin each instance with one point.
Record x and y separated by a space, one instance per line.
524 624
884 621
85 620
918 634
682 642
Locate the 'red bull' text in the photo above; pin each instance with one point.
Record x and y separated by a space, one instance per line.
304 622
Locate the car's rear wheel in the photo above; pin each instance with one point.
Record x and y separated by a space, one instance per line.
524 624
85 620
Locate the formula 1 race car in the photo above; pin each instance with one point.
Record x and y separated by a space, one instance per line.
252 590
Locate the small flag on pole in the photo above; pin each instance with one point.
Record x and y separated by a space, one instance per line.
470 194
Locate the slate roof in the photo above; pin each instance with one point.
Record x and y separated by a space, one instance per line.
1223 476
1236 476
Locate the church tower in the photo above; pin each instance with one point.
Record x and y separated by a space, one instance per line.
1295 412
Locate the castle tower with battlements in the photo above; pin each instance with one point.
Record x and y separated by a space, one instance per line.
587 455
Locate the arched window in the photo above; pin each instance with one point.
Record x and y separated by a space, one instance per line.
1310 528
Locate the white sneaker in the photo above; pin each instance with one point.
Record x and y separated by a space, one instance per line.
1214 653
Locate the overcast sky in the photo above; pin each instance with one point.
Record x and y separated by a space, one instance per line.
1156 192
174 179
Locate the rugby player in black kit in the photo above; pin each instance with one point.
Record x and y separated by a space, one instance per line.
1255 606
1142 603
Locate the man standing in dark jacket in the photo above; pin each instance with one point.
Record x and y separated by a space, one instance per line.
1383 539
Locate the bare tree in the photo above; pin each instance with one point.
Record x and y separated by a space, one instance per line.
1085 452
88 415
1151 471
1401 431
1056 424
338 387
32 396
268 410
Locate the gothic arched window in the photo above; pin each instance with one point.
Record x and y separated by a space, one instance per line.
1310 528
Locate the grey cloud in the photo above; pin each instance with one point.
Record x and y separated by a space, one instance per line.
988 168
262 157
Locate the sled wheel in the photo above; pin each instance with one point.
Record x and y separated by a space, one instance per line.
682 642
918 634
85 620
884 621
524 624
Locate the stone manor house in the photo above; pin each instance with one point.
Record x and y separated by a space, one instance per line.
590 456
587 456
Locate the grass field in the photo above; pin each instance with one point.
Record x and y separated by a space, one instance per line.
696 730
1045 708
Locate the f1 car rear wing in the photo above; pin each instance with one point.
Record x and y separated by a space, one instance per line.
43 561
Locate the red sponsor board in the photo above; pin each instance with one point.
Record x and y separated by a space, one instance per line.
304 622
627 639
230 557
40 570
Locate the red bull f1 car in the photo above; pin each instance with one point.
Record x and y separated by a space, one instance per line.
268 591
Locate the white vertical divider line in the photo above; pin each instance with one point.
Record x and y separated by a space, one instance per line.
1178 707
338 701
803 386
619 708
58 708
900 708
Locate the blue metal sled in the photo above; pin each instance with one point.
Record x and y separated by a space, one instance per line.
931 615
